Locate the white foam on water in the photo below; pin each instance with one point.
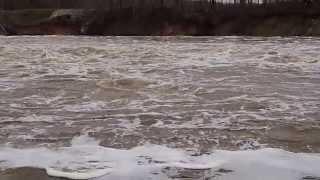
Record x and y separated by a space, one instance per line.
185 65
29 119
85 159
85 107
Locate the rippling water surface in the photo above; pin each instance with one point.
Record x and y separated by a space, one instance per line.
190 94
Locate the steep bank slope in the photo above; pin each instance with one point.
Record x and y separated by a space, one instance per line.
161 21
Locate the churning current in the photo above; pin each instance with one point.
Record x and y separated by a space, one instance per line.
161 107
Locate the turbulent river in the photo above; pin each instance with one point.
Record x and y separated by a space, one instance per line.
244 108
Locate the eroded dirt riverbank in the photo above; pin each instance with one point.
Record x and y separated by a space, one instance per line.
159 22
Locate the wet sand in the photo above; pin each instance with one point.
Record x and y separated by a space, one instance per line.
30 173
26 173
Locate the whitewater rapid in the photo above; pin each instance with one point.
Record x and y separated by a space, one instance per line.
161 107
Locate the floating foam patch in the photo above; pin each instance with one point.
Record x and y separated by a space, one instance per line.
85 159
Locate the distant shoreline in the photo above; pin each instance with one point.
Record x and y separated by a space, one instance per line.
158 22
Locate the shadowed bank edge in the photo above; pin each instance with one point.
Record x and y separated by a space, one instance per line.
161 21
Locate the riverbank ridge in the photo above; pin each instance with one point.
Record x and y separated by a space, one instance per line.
179 18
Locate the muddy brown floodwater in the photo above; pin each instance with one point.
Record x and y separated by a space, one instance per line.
191 93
